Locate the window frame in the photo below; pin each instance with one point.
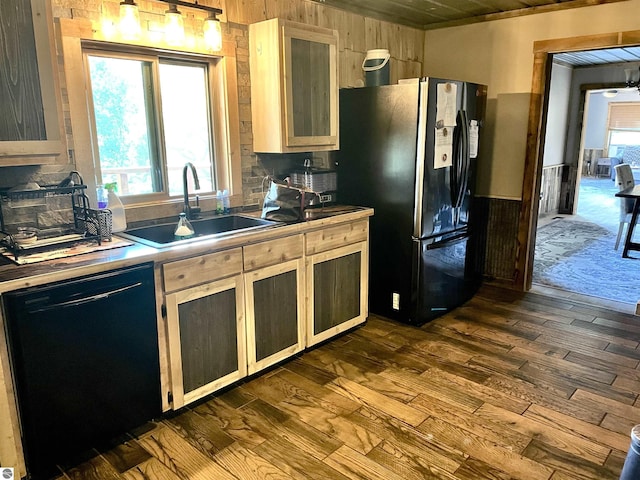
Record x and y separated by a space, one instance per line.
77 35
211 121
155 58
156 120
621 117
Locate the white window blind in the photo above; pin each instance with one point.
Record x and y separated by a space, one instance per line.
624 116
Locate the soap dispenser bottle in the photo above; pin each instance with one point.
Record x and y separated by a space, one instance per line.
226 206
118 217
184 229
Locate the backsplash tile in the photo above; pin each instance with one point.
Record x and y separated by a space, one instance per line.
42 213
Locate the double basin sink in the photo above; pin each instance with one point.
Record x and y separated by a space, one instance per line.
162 235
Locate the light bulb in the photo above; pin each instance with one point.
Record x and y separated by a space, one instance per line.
173 27
129 20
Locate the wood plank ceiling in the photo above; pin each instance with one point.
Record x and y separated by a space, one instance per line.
432 14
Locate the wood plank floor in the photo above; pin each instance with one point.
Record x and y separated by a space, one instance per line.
509 386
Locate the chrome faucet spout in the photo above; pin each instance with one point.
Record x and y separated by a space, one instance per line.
187 208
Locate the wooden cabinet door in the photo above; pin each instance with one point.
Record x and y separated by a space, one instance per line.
294 101
311 91
337 286
30 128
206 338
275 313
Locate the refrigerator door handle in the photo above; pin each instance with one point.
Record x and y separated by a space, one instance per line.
454 172
420 156
448 242
465 157
460 167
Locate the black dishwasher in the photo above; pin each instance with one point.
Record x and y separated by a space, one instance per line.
85 359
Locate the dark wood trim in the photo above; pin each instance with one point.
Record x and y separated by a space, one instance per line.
532 172
585 87
535 138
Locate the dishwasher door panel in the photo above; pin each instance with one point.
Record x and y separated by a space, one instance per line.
85 359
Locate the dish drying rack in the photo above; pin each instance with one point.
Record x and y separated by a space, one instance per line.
88 224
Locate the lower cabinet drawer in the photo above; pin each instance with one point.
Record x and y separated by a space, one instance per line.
193 271
273 252
338 236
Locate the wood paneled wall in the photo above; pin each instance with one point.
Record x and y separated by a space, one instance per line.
568 189
551 189
357 33
590 158
495 225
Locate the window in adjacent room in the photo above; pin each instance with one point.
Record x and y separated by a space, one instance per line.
151 115
623 131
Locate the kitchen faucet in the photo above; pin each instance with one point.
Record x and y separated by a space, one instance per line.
190 211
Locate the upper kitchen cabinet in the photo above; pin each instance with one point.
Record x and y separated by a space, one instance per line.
30 124
294 87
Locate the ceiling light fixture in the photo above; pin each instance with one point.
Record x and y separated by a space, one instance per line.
129 20
211 27
212 33
632 78
610 93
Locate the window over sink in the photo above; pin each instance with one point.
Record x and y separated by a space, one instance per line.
139 112
151 115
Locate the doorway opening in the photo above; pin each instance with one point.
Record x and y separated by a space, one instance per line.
575 232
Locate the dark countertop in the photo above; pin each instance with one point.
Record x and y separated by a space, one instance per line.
13 277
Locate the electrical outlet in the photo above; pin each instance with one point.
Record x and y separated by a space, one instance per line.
395 303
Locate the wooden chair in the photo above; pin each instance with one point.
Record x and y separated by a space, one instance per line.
624 179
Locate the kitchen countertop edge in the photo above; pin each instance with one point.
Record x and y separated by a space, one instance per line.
14 277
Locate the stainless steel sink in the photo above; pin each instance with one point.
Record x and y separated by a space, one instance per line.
161 236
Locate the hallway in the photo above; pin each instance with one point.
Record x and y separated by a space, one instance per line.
597 205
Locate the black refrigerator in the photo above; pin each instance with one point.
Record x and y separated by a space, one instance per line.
410 152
